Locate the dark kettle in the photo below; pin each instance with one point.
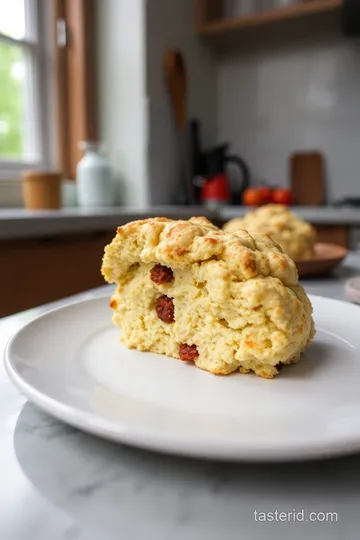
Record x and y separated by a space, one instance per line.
218 161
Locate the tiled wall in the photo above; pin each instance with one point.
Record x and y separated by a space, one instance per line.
293 87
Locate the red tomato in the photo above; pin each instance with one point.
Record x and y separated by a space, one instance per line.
266 194
282 196
252 197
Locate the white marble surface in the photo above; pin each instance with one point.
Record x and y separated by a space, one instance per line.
21 223
60 484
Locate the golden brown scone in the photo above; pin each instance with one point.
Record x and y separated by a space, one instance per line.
225 301
295 236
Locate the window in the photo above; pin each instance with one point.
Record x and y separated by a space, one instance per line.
47 84
26 139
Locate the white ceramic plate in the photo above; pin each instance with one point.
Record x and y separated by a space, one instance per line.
71 364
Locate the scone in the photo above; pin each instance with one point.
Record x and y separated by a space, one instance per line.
295 236
223 301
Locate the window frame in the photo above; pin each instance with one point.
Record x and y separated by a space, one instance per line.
67 82
38 44
76 84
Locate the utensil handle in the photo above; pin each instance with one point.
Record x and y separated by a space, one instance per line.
175 76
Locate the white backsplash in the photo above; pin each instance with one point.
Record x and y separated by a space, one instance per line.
276 99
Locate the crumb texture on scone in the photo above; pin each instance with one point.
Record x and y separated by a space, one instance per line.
192 291
295 236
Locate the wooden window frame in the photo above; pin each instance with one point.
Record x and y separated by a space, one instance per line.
74 23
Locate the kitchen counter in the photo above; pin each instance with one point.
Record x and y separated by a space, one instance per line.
61 484
20 223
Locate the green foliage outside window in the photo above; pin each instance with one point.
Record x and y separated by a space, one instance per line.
11 103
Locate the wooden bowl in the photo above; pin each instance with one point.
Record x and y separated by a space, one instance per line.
327 257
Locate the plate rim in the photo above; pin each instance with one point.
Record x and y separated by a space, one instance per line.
101 427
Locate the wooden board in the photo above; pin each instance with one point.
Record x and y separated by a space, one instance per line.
307 178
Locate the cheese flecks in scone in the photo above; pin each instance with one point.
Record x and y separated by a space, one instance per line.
223 301
295 236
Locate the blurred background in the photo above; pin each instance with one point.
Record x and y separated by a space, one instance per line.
112 110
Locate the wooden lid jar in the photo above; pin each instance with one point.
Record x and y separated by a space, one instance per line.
41 189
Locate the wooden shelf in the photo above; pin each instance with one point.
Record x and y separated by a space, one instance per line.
295 11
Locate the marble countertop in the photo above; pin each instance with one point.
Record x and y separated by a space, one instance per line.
58 483
20 223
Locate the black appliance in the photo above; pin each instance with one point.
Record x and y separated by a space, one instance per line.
351 17
208 163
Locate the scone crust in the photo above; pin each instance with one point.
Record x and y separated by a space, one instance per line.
295 236
236 296
178 244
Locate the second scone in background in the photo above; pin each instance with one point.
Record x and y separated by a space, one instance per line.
295 236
